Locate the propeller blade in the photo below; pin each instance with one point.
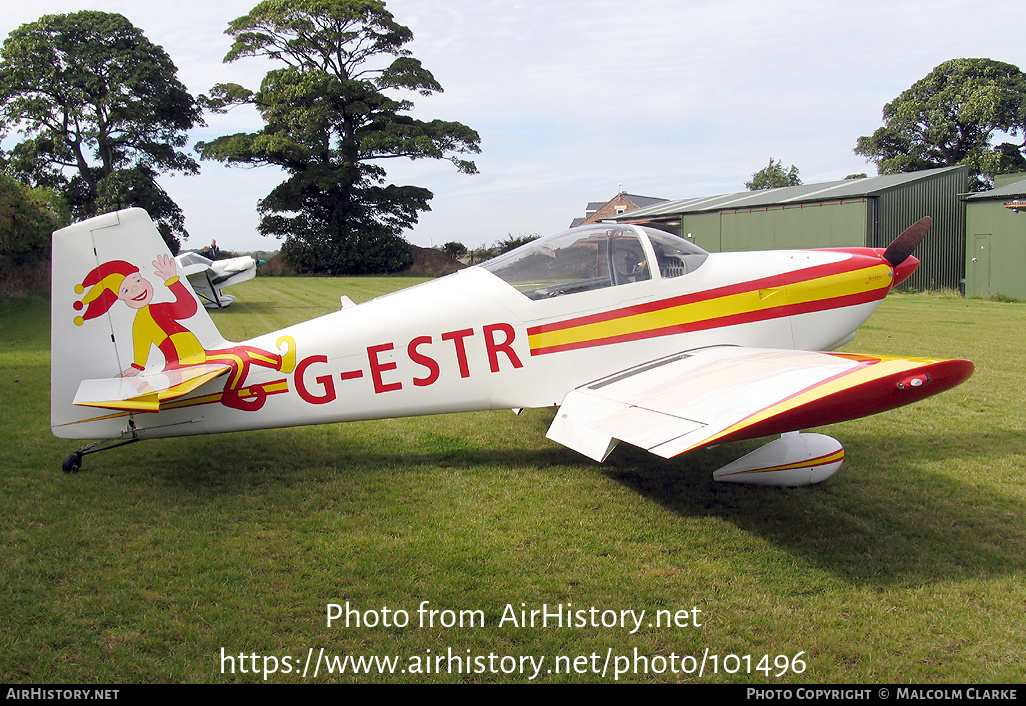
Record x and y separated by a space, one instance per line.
898 251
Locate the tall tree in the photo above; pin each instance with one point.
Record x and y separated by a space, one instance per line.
330 121
101 111
950 117
773 176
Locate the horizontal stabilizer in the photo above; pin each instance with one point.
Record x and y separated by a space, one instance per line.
145 392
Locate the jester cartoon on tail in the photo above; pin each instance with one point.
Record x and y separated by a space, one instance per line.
159 324
135 356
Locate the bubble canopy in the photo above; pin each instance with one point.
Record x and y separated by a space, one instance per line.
595 257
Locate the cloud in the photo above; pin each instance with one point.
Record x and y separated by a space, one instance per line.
573 98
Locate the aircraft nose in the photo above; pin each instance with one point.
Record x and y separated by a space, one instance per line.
903 271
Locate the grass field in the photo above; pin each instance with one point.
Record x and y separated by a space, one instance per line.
162 558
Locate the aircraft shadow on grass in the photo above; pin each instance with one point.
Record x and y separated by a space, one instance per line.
887 520
873 526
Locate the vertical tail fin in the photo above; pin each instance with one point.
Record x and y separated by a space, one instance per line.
118 306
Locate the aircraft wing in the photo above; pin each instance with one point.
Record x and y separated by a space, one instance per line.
209 277
199 278
200 272
145 392
726 393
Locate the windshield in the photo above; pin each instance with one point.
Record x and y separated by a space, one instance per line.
592 257
675 256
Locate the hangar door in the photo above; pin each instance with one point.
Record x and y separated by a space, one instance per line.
830 224
978 272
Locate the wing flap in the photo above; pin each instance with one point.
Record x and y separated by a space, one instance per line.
145 392
571 427
645 428
727 393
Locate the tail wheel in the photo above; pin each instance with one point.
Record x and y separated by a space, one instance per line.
72 463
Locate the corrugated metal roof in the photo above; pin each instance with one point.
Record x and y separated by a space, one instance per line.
846 189
1016 189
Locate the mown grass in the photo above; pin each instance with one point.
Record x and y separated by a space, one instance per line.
907 566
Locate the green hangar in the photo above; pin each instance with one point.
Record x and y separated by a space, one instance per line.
867 212
995 263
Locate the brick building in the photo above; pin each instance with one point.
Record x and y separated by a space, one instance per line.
621 203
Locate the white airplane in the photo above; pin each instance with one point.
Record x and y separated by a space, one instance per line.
209 277
634 334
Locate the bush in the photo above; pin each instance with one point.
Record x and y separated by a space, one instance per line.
27 218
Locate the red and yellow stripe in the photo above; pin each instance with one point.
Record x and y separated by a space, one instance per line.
824 460
846 283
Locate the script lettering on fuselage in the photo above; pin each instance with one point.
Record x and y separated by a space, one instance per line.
436 357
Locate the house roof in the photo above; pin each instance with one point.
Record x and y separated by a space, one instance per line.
846 189
596 206
642 201
639 201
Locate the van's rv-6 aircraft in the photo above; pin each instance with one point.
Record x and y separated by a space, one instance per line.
635 334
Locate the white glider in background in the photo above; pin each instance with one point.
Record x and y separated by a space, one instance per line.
210 277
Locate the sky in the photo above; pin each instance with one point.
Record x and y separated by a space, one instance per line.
577 100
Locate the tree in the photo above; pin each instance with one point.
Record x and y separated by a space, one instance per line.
950 117
773 176
512 242
454 249
330 121
102 114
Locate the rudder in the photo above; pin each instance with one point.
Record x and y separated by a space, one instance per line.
99 330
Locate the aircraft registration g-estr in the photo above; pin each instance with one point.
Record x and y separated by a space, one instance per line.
635 334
